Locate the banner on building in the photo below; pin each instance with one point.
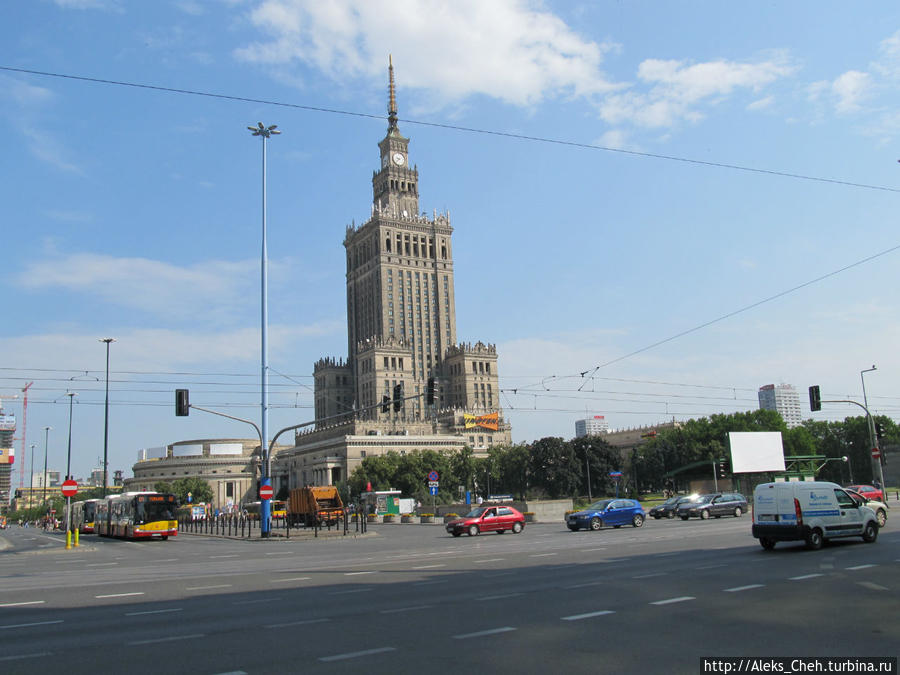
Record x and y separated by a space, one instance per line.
489 421
7 455
7 422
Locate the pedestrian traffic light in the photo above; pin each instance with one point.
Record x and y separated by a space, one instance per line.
385 404
429 392
815 399
398 397
182 405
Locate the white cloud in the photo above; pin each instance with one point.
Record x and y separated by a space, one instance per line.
762 104
513 51
851 89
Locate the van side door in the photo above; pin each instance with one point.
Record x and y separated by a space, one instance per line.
850 521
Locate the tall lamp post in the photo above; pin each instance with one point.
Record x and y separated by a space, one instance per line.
31 480
266 466
106 418
871 424
44 477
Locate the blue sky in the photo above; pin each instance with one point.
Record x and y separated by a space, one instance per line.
134 212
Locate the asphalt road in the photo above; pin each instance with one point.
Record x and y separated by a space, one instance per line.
411 599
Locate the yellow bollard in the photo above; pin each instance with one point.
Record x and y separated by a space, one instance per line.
68 539
76 538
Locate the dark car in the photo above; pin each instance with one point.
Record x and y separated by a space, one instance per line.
497 519
668 508
606 512
716 505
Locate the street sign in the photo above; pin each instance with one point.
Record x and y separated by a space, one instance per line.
433 484
266 492
69 488
433 476
876 453
433 489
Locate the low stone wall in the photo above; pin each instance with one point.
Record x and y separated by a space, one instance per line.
549 511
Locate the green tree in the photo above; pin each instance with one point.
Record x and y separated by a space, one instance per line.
199 489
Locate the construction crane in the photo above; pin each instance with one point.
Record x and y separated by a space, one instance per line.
24 428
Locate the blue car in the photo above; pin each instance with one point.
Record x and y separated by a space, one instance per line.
607 512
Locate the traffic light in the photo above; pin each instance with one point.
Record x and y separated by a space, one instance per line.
429 392
815 399
722 468
879 430
398 397
182 405
385 404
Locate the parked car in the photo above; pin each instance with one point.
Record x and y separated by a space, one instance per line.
614 512
488 519
668 508
716 505
868 491
879 507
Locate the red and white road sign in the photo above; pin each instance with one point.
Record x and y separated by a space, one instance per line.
69 488
266 492
876 453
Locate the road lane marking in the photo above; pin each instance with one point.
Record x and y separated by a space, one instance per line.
862 567
589 583
649 576
166 639
738 589
541 555
302 622
354 574
206 588
428 567
278 581
710 567
154 611
414 608
119 595
805 576
478 562
499 597
280 553
355 590
482 633
683 598
354 655
29 625
432 583
101 564
579 617
20 604
871 586
589 550
19 657
233 555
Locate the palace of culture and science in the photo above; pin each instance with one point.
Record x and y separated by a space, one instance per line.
401 330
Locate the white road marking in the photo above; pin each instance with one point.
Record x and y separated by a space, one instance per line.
648 576
579 617
683 598
355 590
589 583
206 588
405 609
871 586
354 574
482 633
738 589
499 597
428 567
28 625
710 567
20 604
18 657
119 595
862 567
101 564
354 655
478 562
277 581
296 623
432 583
805 576
281 553
154 611
233 555
166 639
541 555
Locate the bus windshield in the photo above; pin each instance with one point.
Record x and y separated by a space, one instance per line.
148 512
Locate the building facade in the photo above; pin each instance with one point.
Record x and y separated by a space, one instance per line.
591 426
401 329
783 399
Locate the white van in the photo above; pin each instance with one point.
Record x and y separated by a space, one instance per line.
810 512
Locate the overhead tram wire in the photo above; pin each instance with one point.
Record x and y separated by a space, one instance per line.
456 127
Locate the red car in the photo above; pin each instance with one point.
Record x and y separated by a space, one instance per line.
868 491
497 519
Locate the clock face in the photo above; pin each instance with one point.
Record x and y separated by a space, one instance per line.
398 159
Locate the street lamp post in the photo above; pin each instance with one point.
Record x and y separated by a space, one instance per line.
31 480
265 479
44 477
869 421
106 418
71 395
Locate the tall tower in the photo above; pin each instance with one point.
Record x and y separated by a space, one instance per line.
401 315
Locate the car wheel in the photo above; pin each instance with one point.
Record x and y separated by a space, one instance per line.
881 516
685 517
766 543
704 515
870 533
596 523
517 527
656 516
738 513
473 530
638 520
814 539
456 534
670 514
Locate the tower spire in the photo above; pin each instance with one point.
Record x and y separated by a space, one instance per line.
392 102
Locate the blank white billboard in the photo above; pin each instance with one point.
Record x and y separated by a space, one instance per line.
226 449
753 451
189 450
